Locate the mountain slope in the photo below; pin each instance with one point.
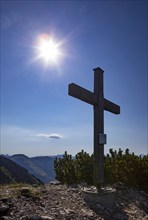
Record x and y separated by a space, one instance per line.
41 167
46 164
10 172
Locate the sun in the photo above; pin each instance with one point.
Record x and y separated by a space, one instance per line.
48 49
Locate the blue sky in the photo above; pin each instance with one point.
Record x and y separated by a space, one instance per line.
37 115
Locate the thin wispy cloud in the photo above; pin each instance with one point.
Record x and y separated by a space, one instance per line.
42 135
8 20
16 132
15 139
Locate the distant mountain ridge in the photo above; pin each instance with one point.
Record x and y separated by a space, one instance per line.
42 167
11 172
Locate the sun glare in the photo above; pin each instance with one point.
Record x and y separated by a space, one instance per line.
48 50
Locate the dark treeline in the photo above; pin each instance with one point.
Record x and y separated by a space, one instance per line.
126 167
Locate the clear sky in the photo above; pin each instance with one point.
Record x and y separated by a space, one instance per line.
37 115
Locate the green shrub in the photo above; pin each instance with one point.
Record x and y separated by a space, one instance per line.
118 167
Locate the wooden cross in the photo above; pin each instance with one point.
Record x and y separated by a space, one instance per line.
100 104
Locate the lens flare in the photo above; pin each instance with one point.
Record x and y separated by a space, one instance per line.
48 49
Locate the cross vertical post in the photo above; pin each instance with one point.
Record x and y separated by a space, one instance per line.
98 163
100 104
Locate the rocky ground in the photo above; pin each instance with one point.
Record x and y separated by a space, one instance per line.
60 202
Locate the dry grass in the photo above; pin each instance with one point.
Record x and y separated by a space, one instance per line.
14 190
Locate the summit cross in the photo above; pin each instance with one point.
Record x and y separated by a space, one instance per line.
100 104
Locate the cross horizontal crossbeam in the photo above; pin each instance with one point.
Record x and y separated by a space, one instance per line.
82 94
89 97
111 107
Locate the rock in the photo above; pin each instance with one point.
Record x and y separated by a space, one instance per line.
40 218
120 186
55 182
5 199
46 218
120 216
6 218
4 210
25 191
35 218
100 207
145 218
59 202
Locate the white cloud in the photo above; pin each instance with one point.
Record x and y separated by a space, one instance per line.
15 139
52 136
42 135
55 136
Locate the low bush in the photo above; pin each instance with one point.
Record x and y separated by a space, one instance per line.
125 167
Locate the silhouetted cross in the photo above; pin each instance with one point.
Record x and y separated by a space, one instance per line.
100 104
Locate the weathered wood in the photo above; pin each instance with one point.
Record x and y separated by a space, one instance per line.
98 164
111 107
82 94
90 97
100 104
